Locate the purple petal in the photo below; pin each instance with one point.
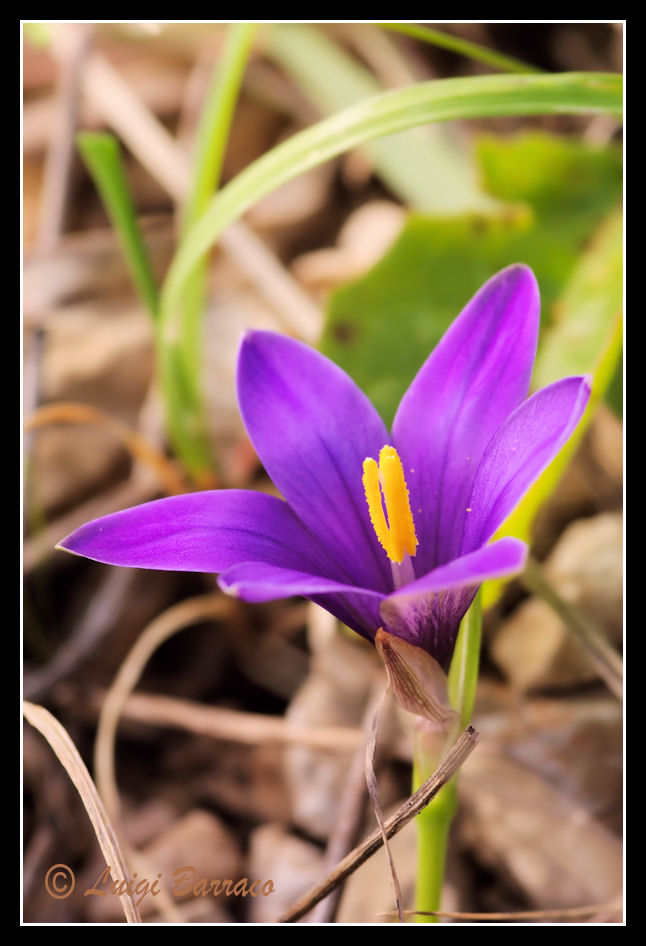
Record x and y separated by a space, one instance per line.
525 444
428 612
200 532
476 376
312 428
254 581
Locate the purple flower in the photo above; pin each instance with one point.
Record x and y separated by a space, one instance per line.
470 445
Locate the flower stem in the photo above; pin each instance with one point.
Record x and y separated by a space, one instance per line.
434 823
433 827
463 672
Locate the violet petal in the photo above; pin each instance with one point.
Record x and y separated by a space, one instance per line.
476 376
428 611
256 581
312 428
200 532
520 450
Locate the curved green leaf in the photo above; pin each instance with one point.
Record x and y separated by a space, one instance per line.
444 100
426 169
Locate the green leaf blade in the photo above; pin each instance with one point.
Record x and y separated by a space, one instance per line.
102 157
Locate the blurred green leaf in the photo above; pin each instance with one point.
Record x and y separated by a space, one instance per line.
382 326
571 186
587 308
102 157
425 167
38 34
586 338
463 47
615 392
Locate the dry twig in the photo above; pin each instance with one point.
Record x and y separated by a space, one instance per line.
411 807
70 412
60 152
154 147
373 790
174 619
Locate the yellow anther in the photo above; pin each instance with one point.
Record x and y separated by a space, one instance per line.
397 535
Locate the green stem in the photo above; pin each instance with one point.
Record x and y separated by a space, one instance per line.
434 823
211 141
433 827
183 358
463 672
215 120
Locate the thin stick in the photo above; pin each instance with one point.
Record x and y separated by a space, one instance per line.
249 729
563 913
71 412
154 147
91 627
68 756
174 619
411 807
603 657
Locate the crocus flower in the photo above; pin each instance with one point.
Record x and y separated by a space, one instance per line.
383 530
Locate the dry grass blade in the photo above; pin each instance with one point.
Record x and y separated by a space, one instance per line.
70 412
175 619
68 756
91 627
411 807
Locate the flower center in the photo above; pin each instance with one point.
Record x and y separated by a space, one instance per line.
397 533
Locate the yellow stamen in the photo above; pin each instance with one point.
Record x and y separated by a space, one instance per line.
397 535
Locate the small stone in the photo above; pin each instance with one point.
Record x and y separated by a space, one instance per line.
520 825
291 864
